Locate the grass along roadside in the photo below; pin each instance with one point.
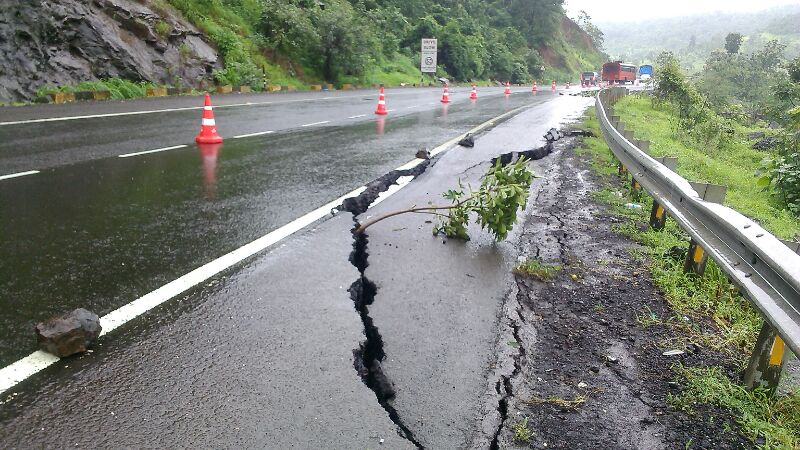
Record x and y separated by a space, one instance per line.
707 312
732 164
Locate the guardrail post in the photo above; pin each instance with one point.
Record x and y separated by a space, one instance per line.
696 259
670 162
658 216
766 364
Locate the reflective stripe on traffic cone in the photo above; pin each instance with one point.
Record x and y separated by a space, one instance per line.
474 94
208 127
508 89
381 109
445 95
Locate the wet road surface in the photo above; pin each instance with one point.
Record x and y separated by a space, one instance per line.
42 145
101 233
262 355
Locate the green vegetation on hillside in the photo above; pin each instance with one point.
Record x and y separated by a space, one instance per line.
693 38
371 41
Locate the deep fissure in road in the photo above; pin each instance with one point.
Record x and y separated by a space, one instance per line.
368 356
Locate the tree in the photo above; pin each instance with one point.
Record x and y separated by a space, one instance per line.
733 41
585 22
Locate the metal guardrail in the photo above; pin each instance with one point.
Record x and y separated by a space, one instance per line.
765 270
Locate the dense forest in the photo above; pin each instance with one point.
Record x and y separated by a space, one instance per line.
693 38
363 41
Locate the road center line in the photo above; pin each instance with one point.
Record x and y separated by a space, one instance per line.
188 108
18 174
253 134
127 155
316 123
356 117
411 107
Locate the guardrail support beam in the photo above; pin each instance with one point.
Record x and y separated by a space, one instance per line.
696 259
766 363
658 216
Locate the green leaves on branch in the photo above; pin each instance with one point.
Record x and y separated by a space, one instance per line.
503 190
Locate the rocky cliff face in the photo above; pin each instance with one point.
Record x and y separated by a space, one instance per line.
67 41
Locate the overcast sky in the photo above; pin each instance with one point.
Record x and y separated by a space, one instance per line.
603 11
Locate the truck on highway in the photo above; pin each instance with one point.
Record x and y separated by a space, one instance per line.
589 79
618 72
645 73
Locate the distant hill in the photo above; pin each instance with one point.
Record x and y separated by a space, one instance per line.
692 38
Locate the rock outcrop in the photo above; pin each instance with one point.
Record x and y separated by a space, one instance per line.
61 42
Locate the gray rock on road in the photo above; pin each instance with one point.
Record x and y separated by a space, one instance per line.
70 333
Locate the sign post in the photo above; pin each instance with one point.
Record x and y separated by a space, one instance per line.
428 56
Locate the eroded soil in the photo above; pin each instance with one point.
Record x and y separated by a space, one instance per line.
590 374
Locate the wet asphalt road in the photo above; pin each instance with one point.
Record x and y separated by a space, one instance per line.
36 145
260 356
105 231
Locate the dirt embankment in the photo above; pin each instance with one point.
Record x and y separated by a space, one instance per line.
67 41
591 374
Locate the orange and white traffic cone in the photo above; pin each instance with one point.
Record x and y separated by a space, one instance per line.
567 85
445 95
208 128
508 89
474 94
381 109
553 86
534 88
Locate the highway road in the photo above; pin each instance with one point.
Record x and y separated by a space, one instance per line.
247 351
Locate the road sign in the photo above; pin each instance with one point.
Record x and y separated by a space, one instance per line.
428 56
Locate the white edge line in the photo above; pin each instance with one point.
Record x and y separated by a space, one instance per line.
11 375
399 184
253 134
128 155
316 123
18 174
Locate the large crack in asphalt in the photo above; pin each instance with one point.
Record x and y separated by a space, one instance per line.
368 357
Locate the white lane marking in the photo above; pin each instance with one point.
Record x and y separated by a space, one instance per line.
356 117
316 123
188 108
128 155
25 367
36 361
415 162
400 184
253 134
11 375
411 107
18 174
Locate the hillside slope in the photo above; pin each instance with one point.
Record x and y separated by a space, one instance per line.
288 42
67 41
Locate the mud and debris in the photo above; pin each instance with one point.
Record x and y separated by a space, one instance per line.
586 372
